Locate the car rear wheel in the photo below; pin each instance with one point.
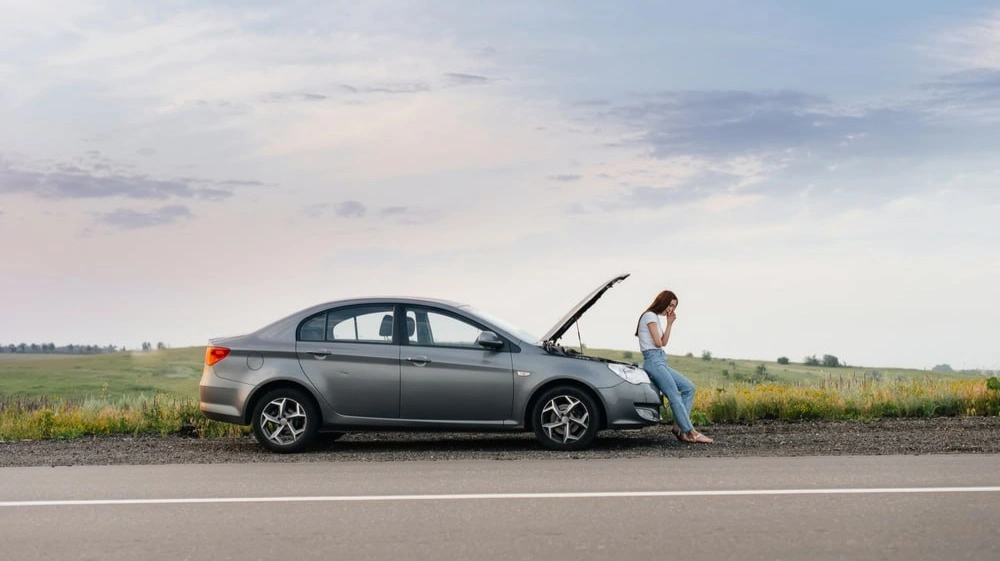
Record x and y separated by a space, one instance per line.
566 418
285 420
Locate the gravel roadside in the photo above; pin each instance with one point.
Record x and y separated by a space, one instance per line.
978 435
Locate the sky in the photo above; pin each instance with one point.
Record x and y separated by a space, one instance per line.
809 179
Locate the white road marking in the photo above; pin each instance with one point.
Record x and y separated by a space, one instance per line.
504 496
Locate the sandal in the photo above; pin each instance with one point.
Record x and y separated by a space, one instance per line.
695 437
677 432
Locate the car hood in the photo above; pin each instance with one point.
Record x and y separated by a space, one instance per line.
574 314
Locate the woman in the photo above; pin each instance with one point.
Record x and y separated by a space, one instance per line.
678 389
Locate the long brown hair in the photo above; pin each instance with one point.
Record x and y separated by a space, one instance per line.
658 306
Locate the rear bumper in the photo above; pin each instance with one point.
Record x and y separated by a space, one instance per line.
222 400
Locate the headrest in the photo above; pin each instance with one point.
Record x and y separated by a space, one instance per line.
385 329
411 326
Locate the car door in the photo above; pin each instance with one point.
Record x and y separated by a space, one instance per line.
446 375
350 355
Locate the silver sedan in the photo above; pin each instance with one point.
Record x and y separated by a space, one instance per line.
408 363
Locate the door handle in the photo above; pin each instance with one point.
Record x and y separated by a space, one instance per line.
418 360
319 355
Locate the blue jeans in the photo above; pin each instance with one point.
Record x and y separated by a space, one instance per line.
678 390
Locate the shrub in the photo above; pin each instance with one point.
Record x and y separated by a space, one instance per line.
811 361
689 355
782 360
831 361
42 418
699 418
706 355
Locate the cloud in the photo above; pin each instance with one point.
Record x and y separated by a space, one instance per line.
130 219
714 189
356 210
974 45
733 123
237 183
773 143
397 214
379 88
228 57
460 78
971 93
315 210
566 178
394 88
410 216
96 177
351 209
734 149
276 97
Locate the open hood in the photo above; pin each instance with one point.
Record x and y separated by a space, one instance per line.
574 314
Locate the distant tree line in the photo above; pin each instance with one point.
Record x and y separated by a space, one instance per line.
46 348
828 361
43 348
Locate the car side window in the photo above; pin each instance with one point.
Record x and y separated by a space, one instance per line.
427 327
313 328
365 324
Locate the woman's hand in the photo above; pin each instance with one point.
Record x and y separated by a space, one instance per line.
671 318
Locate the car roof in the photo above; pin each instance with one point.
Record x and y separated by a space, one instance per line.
386 299
285 327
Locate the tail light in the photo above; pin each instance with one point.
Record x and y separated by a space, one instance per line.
215 354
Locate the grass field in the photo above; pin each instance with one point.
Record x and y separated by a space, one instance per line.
175 372
707 373
156 392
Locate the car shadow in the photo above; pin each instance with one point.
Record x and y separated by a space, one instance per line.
429 442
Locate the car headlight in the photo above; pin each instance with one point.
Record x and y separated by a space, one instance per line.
629 373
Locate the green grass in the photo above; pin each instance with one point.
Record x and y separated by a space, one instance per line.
67 396
710 372
156 392
173 372
40 418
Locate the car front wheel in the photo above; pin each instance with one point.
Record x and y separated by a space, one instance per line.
285 420
565 418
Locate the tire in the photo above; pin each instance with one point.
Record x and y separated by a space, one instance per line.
285 420
565 418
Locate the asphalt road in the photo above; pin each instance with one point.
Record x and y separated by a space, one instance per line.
844 507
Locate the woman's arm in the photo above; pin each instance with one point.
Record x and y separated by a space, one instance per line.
654 330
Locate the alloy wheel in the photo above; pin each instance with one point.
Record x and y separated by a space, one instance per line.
283 421
565 419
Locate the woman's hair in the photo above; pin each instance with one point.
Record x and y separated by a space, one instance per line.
658 306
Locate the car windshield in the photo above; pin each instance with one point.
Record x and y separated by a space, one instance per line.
521 334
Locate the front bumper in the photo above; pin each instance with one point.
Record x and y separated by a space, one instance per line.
631 406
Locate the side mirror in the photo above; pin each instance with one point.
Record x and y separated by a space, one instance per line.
490 340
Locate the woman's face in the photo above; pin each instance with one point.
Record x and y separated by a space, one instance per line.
670 308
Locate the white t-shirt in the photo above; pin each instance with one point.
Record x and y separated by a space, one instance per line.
645 338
